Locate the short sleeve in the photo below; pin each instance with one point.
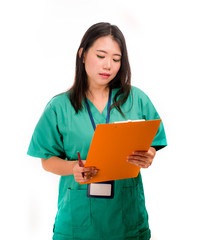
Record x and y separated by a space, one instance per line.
46 140
150 113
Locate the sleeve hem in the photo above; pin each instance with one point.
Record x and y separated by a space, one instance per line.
39 155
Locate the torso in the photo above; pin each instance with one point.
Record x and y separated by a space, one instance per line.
124 216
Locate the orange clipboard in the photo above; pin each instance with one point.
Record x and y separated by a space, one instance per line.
113 142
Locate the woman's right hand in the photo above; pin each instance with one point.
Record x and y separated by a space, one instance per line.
82 174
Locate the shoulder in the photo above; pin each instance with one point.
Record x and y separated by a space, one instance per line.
58 102
60 98
137 93
134 91
136 96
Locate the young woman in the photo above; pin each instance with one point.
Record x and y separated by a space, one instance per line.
101 93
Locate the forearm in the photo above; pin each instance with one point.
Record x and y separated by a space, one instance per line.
58 166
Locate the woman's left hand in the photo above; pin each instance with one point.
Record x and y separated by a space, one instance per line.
142 159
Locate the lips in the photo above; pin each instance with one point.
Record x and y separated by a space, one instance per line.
104 74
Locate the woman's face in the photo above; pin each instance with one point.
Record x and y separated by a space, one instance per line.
102 61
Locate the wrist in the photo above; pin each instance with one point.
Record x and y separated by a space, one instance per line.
74 163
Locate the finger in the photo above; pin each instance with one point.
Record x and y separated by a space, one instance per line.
90 169
151 152
141 155
137 163
81 179
85 171
85 174
137 158
89 175
140 164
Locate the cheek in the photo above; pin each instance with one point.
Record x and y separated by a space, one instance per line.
90 65
117 68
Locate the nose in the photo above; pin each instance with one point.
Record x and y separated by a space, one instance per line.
107 64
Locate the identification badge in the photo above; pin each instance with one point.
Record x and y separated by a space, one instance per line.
101 189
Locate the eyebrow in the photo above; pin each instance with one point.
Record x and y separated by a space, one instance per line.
116 54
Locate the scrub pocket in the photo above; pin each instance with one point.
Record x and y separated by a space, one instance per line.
80 208
133 206
74 212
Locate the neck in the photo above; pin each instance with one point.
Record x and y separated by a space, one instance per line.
97 92
99 97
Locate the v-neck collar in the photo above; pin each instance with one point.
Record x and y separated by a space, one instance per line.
98 117
93 106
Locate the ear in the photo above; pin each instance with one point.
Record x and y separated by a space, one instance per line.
80 54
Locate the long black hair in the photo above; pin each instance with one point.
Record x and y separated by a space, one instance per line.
122 80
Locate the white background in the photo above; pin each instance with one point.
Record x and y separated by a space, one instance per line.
168 51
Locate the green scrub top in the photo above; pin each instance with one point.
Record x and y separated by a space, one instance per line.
62 132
